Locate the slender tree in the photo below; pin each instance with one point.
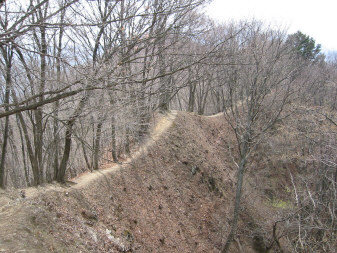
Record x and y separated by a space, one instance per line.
255 101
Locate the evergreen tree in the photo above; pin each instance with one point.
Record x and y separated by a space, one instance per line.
305 46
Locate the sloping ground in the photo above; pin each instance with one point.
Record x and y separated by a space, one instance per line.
174 195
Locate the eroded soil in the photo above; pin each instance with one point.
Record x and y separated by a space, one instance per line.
174 194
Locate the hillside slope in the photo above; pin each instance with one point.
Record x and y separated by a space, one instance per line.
174 195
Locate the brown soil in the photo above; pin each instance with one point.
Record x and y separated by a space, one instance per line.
174 195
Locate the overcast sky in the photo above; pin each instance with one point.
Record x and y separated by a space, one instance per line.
317 19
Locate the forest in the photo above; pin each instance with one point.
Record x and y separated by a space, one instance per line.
80 81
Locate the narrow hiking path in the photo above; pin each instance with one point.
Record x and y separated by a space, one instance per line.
14 203
162 124
153 200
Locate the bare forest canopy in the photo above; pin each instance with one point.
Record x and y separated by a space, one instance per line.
81 80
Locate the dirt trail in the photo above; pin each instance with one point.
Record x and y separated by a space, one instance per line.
162 125
172 195
12 201
215 115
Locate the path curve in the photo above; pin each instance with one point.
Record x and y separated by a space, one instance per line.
163 124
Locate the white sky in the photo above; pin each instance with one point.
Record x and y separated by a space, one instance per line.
318 19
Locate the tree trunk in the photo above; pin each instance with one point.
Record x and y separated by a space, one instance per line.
32 157
97 144
164 89
113 131
86 159
67 147
8 55
113 140
39 122
127 140
6 130
3 152
67 143
56 140
239 184
164 94
57 103
143 107
191 99
26 169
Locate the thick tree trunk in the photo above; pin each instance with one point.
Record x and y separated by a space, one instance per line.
8 54
68 135
6 130
67 148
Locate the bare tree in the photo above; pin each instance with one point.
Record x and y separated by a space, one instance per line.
7 53
310 226
255 101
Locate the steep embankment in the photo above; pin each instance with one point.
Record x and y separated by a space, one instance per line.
174 195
